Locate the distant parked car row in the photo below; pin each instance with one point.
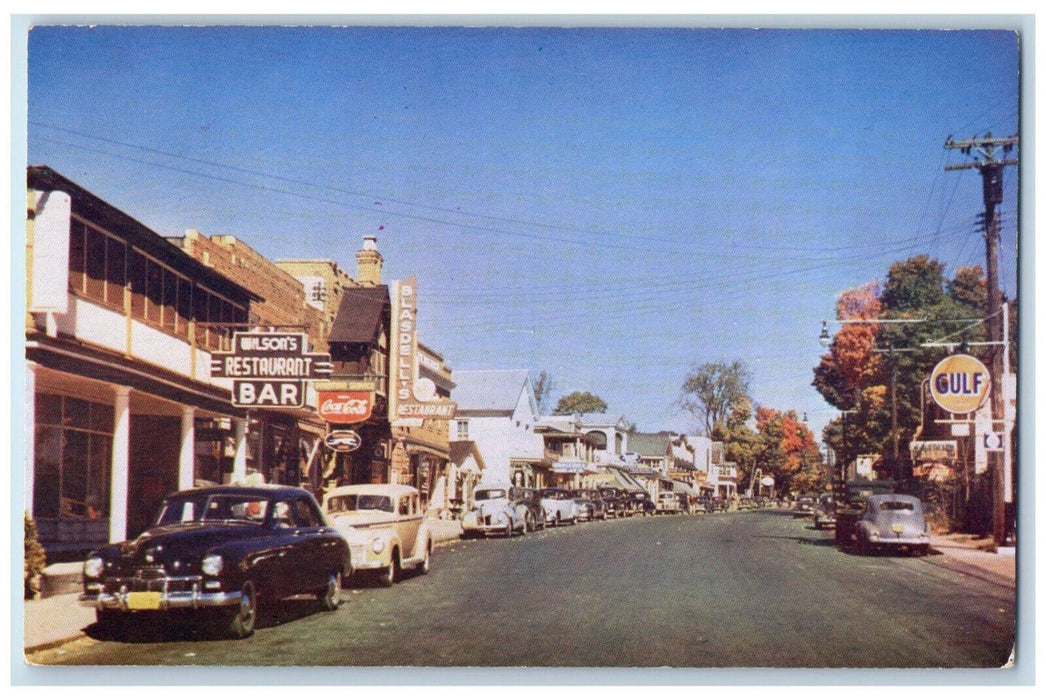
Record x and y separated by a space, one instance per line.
505 510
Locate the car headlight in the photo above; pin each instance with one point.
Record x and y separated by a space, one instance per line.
377 545
93 567
212 564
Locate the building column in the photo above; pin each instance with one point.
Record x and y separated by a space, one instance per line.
118 487
187 455
30 435
239 461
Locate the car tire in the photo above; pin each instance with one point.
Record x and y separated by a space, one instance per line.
241 623
390 574
330 598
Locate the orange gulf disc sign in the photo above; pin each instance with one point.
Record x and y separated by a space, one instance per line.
960 384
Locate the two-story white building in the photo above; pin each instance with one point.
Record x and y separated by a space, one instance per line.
497 410
119 400
609 435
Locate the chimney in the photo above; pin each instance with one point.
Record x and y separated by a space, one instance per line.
368 262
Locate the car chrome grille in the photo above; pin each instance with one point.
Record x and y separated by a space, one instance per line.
150 579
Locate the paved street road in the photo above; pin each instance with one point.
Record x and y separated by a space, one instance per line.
751 589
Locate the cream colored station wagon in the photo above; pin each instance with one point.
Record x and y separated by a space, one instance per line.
385 527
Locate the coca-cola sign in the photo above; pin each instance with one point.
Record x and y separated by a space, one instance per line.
342 407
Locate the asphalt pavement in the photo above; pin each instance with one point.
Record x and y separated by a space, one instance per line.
53 621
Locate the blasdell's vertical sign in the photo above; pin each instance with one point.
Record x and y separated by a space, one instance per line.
412 396
270 369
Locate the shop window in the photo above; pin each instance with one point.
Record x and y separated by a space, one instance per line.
185 292
154 292
77 413
48 409
94 286
73 450
137 276
199 304
77 247
115 272
170 300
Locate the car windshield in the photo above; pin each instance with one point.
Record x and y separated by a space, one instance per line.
489 494
896 505
359 501
555 494
213 507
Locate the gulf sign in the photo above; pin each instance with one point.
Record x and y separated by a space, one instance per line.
344 407
960 384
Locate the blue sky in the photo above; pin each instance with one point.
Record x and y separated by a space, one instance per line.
610 205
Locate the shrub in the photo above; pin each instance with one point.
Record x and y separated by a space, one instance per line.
35 559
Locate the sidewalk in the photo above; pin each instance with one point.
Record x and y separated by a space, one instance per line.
975 557
58 619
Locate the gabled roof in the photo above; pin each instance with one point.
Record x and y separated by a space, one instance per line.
489 391
360 314
603 420
460 450
650 444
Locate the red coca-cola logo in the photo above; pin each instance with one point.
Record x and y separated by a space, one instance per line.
345 406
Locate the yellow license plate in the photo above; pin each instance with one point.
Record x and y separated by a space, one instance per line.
898 528
143 601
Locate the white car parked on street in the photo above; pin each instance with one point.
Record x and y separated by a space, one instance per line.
385 527
560 507
493 513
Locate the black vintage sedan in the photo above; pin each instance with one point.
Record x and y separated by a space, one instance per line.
219 549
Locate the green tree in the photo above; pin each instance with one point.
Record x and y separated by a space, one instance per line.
543 387
740 442
864 374
580 402
711 390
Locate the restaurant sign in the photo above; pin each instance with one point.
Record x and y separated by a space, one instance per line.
412 396
269 369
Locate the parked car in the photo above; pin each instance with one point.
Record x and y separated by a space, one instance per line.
493 513
804 507
614 500
642 504
220 551
590 507
667 503
528 503
893 521
384 526
559 506
824 511
599 502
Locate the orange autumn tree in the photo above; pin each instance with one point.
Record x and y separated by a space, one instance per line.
843 371
788 451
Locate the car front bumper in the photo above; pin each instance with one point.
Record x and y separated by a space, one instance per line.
899 540
127 600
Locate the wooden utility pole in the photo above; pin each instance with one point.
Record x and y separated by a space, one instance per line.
991 167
